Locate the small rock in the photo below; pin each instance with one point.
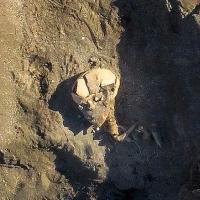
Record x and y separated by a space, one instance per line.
45 181
81 89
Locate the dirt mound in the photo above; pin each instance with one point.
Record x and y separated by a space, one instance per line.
48 150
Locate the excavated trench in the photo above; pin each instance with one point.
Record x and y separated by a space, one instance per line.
48 150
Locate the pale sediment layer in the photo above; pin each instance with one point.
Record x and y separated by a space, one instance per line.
10 58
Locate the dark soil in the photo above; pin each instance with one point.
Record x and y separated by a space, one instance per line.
48 150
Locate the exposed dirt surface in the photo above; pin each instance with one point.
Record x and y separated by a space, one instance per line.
48 150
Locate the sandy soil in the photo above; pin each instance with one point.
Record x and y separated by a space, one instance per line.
48 150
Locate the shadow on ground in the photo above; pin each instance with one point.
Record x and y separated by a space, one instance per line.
62 102
159 62
159 57
79 175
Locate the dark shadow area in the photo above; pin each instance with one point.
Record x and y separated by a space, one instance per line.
62 102
109 191
79 175
159 61
2 161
